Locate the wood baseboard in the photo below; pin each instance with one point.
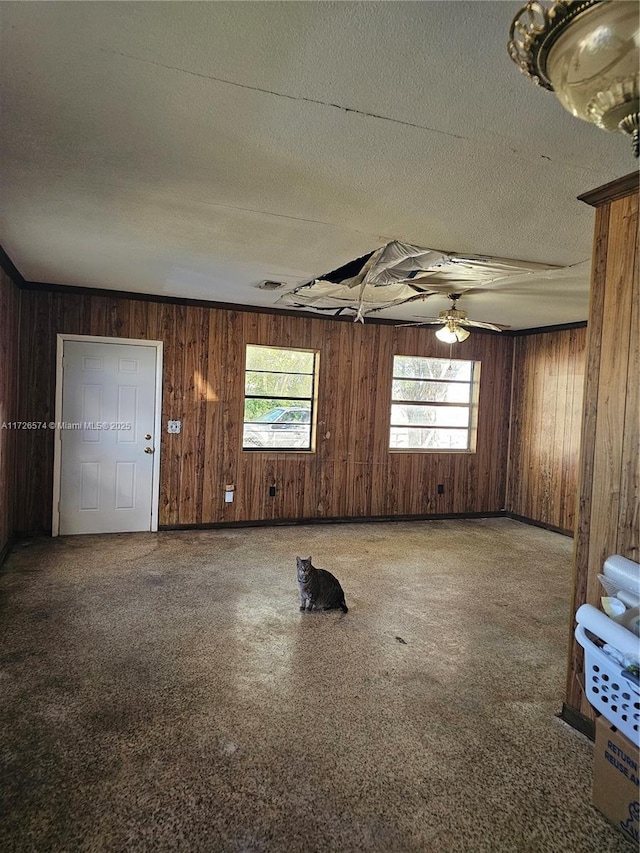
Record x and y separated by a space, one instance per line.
578 721
276 522
535 523
6 548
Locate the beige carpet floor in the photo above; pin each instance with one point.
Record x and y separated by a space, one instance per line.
163 692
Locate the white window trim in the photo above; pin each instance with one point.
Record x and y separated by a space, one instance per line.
473 410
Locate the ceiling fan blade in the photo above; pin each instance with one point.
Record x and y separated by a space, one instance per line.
495 326
438 321
427 321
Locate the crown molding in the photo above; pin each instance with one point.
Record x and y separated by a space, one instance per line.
620 188
105 293
11 269
542 330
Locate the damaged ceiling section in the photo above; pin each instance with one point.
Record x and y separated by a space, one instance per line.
399 273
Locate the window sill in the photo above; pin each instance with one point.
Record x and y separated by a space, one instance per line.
278 451
429 450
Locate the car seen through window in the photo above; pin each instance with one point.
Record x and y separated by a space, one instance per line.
281 427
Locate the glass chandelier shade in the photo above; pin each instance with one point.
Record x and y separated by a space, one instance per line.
587 52
452 333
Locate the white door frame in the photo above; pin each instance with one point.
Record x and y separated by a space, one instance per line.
57 447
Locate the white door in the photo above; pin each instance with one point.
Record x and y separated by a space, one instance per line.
107 437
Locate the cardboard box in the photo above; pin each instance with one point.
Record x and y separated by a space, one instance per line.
616 770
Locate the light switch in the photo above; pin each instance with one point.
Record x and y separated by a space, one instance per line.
174 426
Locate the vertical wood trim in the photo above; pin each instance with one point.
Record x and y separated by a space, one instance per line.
629 518
608 491
592 373
587 446
610 414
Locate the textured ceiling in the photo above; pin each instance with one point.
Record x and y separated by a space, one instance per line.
196 149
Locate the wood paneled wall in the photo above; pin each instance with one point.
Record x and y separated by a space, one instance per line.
609 491
9 318
351 474
546 419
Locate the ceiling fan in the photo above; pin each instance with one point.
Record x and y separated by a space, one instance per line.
453 321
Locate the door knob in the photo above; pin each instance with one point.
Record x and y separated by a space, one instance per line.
148 450
147 437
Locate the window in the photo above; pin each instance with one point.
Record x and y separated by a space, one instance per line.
279 391
434 404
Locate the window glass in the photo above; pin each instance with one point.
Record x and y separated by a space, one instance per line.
433 404
279 399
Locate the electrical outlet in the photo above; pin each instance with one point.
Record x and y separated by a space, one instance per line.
441 488
174 427
272 491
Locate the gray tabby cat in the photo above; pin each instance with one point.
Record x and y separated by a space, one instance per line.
319 588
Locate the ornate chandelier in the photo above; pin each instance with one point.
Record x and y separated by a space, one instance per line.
587 52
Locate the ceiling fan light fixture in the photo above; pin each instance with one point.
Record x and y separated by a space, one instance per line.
452 333
588 53
446 335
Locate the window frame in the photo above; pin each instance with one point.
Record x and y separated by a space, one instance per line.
312 400
472 406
